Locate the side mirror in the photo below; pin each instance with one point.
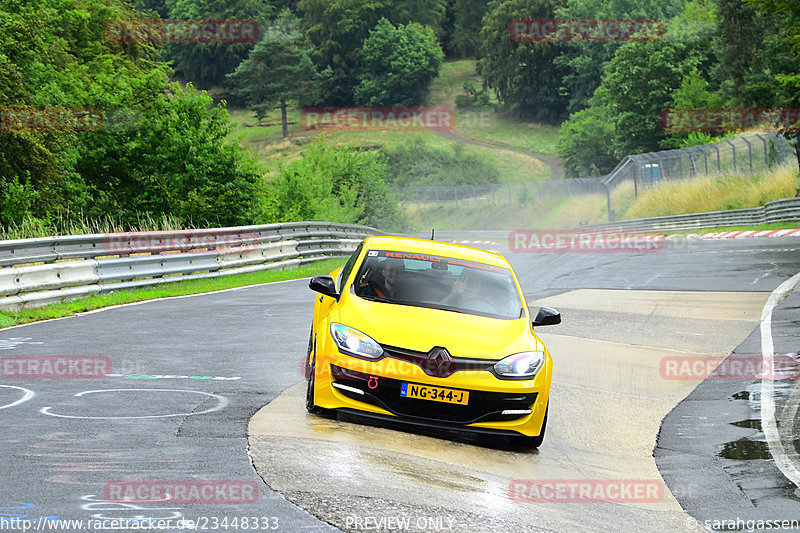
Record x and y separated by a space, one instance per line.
547 316
324 285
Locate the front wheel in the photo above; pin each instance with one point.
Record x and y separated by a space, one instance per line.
311 407
311 367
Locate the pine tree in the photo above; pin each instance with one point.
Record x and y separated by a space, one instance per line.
277 71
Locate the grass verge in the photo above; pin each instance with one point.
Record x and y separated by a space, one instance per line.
485 124
179 288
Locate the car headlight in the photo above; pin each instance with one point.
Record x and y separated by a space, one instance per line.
520 365
353 342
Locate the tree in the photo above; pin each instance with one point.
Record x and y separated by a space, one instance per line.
693 93
467 18
583 62
751 52
206 64
399 64
277 70
176 161
337 29
583 143
524 75
160 149
430 13
52 54
637 86
640 81
789 79
153 6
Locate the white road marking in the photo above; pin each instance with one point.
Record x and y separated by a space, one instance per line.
223 402
768 422
28 394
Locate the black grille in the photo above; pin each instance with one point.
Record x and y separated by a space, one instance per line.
429 364
385 393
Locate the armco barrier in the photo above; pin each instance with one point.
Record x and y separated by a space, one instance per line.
787 210
45 270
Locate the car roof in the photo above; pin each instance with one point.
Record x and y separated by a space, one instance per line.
446 249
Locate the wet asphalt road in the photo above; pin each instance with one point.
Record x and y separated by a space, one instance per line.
221 357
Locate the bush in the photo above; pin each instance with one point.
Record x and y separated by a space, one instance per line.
473 98
399 65
334 184
584 143
16 201
176 161
417 164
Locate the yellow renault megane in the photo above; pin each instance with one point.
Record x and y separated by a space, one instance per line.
429 333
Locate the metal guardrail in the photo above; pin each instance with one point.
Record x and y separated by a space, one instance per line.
787 210
46 270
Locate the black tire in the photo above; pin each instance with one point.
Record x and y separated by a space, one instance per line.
311 407
535 442
307 369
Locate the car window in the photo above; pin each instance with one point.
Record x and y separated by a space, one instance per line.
348 267
438 282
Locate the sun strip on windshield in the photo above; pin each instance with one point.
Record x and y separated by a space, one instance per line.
435 259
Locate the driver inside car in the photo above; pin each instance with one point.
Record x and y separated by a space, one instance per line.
475 291
387 284
465 288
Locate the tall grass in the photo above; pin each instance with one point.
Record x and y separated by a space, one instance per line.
32 227
716 193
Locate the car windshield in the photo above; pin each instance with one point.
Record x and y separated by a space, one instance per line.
438 282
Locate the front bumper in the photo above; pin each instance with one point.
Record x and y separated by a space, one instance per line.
505 406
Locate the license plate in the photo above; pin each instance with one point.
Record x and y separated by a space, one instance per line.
437 394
